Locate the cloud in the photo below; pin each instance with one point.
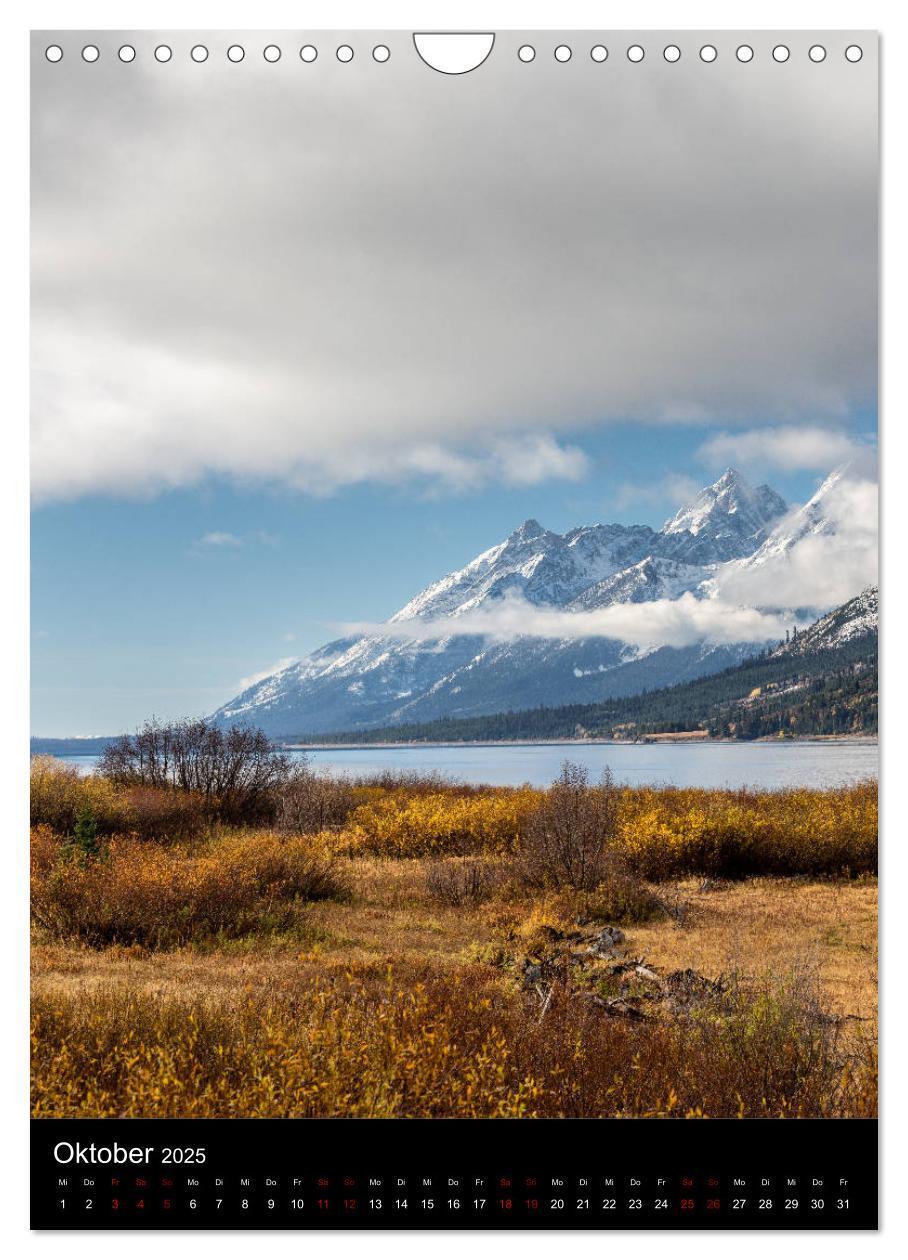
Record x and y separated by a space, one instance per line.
672 489
251 679
823 569
535 459
521 460
397 285
791 448
219 538
660 623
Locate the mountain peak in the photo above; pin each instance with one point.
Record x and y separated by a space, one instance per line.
529 529
725 521
730 495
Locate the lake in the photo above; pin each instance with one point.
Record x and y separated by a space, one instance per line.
764 765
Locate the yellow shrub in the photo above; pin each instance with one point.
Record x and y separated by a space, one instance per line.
662 833
58 792
399 824
670 832
160 896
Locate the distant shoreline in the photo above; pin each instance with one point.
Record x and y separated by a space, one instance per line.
95 747
866 740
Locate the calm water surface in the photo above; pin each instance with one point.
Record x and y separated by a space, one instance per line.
684 765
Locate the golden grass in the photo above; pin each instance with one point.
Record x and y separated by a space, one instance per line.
202 977
454 1044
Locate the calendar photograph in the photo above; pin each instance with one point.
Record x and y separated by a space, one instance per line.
454 578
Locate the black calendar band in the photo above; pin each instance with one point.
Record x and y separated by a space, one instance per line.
454 1174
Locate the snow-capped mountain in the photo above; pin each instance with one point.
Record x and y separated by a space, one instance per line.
814 518
725 521
859 617
543 567
400 675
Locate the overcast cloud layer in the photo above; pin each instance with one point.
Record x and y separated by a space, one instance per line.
332 273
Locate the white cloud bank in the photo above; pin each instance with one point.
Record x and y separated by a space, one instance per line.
335 275
660 623
791 448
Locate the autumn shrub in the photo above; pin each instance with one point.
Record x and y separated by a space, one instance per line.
58 792
310 803
666 833
562 835
438 1045
462 882
283 866
414 782
168 896
167 813
574 832
237 769
429 824
619 898
567 840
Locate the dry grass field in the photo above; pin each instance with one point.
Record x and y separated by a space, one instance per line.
221 970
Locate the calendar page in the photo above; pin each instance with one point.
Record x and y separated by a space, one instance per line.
454 629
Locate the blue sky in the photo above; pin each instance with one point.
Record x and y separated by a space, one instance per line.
133 614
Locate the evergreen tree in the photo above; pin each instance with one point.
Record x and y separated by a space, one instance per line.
85 844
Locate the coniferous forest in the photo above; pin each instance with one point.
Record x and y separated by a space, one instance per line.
781 692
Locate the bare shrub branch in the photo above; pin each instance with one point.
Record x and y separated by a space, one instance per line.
568 839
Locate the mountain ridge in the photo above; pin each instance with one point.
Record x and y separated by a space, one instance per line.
428 661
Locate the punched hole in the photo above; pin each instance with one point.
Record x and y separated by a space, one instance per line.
708 53
272 53
562 53
453 52
90 53
745 53
780 53
308 53
199 53
599 52
672 53
53 53
854 53
126 53
526 52
381 52
345 53
635 53
817 53
162 53
236 53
